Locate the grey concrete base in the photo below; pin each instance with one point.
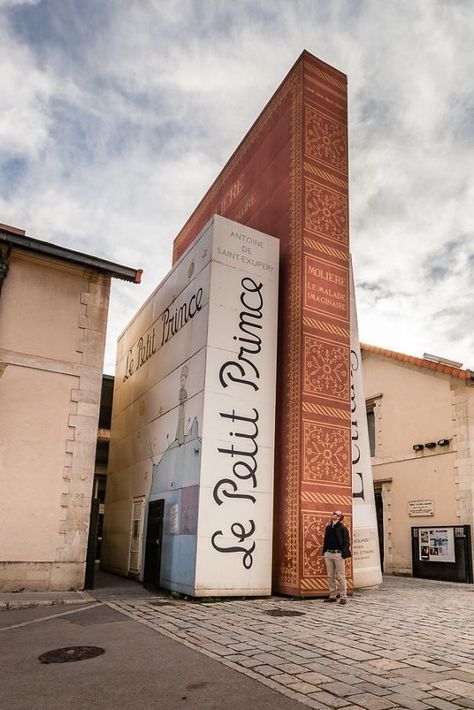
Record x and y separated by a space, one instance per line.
41 576
106 586
28 600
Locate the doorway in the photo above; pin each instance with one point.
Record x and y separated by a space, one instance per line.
92 544
154 537
379 513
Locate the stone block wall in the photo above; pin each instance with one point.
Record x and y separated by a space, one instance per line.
53 319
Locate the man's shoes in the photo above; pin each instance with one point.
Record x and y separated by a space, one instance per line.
330 599
342 601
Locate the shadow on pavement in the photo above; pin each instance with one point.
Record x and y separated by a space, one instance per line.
112 586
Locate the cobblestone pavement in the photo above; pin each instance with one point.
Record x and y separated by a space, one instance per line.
408 645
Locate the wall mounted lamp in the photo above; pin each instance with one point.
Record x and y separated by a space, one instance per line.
418 447
430 444
443 442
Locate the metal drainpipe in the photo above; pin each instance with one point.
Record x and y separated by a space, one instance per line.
5 251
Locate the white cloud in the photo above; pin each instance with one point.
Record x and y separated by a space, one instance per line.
25 90
15 3
123 113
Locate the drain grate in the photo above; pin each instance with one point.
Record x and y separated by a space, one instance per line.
70 654
283 612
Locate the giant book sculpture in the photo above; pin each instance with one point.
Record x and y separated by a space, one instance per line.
289 178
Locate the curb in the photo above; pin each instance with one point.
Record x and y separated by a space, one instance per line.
32 603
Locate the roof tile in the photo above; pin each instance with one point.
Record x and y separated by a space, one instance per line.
419 361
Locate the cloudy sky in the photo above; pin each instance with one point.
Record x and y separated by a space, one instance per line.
116 115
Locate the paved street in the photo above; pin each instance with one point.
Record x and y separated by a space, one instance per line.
140 669
408 645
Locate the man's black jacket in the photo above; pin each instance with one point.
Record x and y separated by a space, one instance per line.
342 534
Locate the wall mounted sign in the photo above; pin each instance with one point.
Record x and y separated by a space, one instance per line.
420 508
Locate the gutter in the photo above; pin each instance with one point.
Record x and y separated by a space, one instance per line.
12 237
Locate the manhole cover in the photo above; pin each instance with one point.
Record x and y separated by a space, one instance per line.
160 603
283 612
71 653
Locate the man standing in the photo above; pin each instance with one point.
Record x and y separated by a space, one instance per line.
336 549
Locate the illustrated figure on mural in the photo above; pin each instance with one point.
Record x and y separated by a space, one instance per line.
183 395
181 458
336 549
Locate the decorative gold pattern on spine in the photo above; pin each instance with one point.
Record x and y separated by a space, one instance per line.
330 498
326 327
326 429
339 83
313 536
326 211
325 411
325 140
326 368
334 179
329 251
314 584
326 452
311 585
289 566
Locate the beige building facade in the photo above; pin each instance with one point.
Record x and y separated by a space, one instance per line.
421 425
53 319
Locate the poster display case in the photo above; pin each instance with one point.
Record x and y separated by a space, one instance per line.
442 552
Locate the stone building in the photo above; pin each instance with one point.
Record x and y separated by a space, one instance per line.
421 428
53 318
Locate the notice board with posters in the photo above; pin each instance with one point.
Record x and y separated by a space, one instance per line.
289 178
436 545
442 552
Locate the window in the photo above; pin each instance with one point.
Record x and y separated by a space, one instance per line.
135 536
106 398
371 427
